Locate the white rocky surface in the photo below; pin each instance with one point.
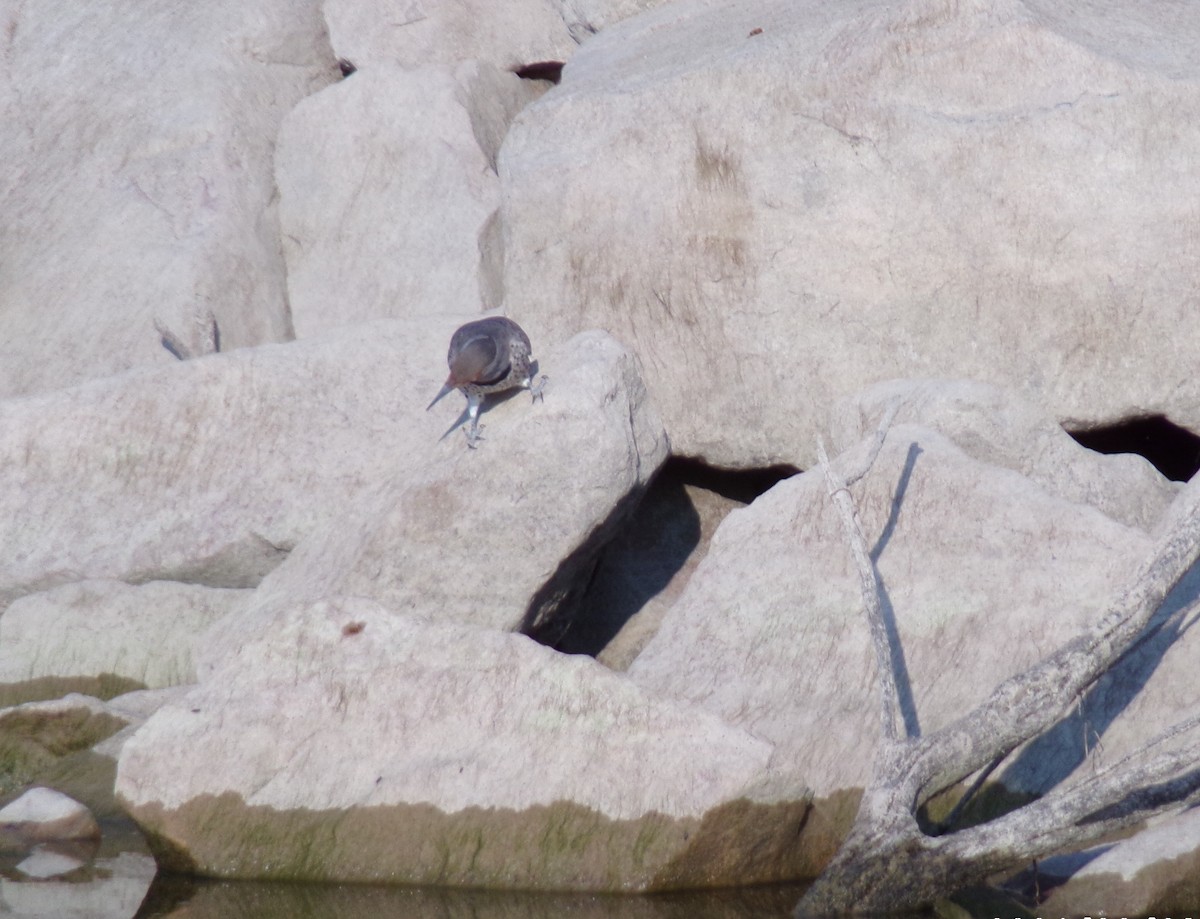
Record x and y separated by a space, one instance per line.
1000 426
586 17
482 535
142 633
771 207
134 708
138 179
391 728
209 471
777 203
417 33
770 634
360 161
42 814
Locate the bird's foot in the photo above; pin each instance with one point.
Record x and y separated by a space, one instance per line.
474 435
538 391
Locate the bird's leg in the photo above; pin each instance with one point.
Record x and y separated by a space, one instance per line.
472 432
537 390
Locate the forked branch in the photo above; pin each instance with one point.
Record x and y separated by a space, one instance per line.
888 863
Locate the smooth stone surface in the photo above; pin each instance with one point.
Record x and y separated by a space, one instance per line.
1156 872
503 535
770 632
387 183
350 743
43 814
777 203
210 471
138 189
144 634
1003 427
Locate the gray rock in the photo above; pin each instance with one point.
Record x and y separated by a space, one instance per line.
770 633
346 742
644 570
1005 428
144 634
138 184
43 814
1143 696
210 471
502 535
777 203
387 184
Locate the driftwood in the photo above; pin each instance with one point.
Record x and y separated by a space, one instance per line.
887 862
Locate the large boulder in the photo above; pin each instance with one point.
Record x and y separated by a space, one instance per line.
138 185
388 185
92 629
347 742
1002 427
43 814
505 535
209 471
770 632
776 203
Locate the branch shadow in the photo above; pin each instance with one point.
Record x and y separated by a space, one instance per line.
908 706
1049 759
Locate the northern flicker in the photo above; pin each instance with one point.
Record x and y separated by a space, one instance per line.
486 356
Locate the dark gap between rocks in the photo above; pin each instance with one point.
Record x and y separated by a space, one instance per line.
550 71
1173 451
642 567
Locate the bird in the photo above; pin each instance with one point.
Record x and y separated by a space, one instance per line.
488 355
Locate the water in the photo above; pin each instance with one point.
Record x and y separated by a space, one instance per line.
116 879
124 885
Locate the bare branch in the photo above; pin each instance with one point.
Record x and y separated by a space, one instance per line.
1029 703
852 475
886 862
1125 793
868 576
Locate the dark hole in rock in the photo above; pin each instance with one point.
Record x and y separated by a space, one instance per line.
741 485
644 566
1174 451
550 71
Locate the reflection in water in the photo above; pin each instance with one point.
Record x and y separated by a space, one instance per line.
108 888
195 899
119 882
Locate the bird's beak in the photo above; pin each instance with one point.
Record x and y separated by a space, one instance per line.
445 389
